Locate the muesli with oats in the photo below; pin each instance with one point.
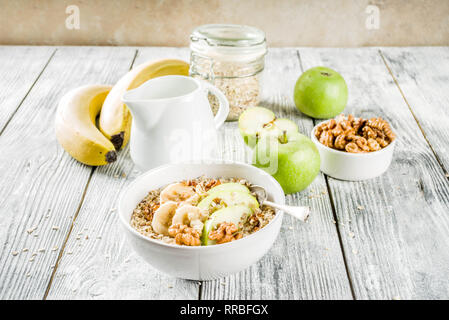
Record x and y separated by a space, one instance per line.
201 211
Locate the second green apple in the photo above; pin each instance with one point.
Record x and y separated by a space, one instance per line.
321 93
293 160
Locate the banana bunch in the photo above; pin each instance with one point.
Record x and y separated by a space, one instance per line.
75 125
76 116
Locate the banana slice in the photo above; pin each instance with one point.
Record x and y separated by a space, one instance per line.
177 192
163 216
75 125
191 216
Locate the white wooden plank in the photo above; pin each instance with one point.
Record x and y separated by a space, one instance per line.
42 185
306 260
107 267
422 74
20 67
147 282
397 245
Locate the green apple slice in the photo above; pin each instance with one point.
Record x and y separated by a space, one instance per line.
280 128
232 214
285 125
257 122
229 186
253 120
230 198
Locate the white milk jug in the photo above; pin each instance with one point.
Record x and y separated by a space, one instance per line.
173 121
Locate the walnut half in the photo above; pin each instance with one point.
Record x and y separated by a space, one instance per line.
225 232
184 235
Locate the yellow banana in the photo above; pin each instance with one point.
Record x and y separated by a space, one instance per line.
75 125
115 117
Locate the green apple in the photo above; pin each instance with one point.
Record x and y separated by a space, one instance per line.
233 214
321 93
229 198
293 160
258 122
229 186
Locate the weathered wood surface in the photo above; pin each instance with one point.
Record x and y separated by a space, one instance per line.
100 275
42 186
107 267
395 228
306 261
423 77
391 239
20 68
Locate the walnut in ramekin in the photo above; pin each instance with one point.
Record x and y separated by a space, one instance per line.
355 135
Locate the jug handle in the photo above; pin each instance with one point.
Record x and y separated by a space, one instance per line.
223 109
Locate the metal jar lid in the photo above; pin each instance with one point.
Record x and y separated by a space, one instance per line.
228 42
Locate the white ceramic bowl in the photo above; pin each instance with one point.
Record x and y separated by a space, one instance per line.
353 166
208 262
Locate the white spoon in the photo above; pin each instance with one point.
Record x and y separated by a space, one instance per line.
301 213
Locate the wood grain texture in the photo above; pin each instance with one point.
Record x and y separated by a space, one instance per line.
103 265
423 76
42 186
306 260
20 67
394 228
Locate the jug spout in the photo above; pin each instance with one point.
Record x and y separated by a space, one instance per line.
172 121
145 111
149 102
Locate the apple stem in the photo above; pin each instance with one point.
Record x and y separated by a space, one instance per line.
283 138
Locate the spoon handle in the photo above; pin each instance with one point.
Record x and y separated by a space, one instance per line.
301 213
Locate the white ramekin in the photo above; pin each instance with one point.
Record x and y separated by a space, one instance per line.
353 166
208 262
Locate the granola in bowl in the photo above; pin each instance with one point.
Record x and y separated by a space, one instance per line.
202 211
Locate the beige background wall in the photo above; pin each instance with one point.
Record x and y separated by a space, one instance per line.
329 23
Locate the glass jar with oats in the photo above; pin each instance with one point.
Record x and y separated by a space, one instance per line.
232 58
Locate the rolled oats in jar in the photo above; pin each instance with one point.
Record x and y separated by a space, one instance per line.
232 58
